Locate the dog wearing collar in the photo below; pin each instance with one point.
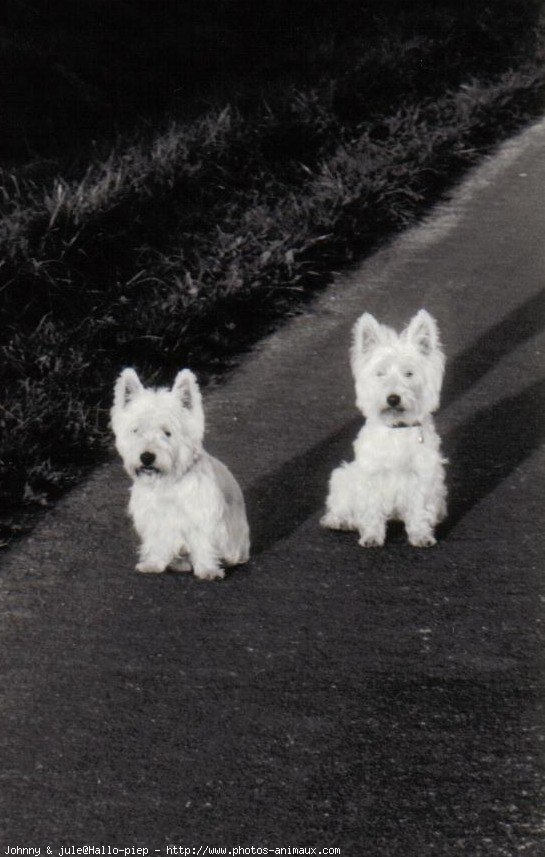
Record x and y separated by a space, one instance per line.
398 471
186 506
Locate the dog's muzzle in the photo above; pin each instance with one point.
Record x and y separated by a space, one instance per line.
394 402
146 471
393 412
147 467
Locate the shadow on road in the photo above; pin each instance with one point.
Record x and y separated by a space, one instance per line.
304 480
482 452
489 447
464 370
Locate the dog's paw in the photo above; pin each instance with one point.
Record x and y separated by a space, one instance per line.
210 574
180 563
422 540
371 541
236 559
150 566
332 522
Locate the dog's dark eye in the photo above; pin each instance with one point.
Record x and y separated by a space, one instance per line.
167 432
409 374
135 430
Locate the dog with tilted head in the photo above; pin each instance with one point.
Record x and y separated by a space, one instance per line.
398 471
186 506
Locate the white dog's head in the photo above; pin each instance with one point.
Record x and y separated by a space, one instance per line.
158 432
398 377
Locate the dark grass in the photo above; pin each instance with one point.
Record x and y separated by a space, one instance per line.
184 246
74 73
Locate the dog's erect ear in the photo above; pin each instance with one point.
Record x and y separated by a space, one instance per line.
367 334
422 333
127 386
187 389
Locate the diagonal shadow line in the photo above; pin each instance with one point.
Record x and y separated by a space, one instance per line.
464 370
489 447
280 501
304 478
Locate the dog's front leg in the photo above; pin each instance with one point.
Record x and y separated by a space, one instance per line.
151 564
204 559
419 524
372 529
155 556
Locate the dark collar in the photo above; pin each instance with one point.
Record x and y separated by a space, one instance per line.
401 424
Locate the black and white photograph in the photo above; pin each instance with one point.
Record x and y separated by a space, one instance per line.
272 424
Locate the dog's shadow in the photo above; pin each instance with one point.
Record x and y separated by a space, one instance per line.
489 447
279 502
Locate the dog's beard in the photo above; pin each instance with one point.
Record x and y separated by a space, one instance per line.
149 470
406 413
392 415
393 412
175 469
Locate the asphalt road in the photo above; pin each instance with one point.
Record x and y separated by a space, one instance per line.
383 702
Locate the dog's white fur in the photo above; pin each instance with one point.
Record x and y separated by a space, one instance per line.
186 506
398 470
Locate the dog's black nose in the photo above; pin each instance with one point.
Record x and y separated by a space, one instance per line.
393 400
147 458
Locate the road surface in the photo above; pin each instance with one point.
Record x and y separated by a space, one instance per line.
382 702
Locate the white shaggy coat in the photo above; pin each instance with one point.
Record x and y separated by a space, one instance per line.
186 506
398 470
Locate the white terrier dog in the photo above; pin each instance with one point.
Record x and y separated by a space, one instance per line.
398 471
187 507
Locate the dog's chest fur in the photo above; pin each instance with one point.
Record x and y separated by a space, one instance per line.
169 502
395 463
385 450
